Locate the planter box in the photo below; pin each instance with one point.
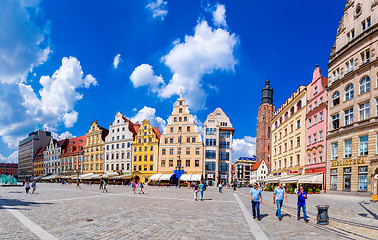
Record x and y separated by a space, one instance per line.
310 192
317 192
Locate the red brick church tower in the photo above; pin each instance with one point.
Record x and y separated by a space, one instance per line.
263 130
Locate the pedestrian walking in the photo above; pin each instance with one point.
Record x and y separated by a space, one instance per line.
202 188
34 186
133 185
27 186
141 188
195 191
256 200
220 186
278 197
101 184
302 196
78 184
104 186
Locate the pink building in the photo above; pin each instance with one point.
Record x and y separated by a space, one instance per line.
316 125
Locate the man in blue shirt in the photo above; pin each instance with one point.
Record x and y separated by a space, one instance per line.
256 199
201 189
278 197
302 196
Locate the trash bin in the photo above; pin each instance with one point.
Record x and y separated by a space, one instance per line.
322 217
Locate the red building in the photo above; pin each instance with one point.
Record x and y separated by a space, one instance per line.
263 128
9 169
72 156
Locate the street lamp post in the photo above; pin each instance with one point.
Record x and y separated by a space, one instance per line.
179 168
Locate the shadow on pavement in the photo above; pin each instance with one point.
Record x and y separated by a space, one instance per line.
17 203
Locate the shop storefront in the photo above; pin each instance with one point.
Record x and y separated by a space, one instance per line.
317 169
351 176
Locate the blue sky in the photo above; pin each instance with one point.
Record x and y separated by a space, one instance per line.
59 69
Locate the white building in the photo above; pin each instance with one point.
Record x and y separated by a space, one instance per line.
217 139
118 145
51 156
259 171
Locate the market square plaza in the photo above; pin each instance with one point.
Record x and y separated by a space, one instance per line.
66 212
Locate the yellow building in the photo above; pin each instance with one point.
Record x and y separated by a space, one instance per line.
146 151
94 149
181 144
288 135
38 167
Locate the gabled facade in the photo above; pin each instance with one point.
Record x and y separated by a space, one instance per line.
217 137
52 156
259 171
118 145
94 149
146 151
181 143
38 163
72 156
352 103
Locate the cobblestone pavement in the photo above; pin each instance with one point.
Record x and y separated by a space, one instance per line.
165 213
351 217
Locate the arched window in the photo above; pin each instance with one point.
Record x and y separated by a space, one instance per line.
292 111
276 124
299 105
349 92
365 85
280 120
335 98
286 116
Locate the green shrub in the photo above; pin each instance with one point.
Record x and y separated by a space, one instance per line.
317 190
290 190
310 190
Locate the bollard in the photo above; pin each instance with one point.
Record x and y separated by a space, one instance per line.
322 217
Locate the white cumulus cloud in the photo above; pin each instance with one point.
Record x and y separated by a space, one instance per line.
208 50
144 75
219 16
245 147
117 60
23 43
62 136
53 106
158 8
13 158
149 114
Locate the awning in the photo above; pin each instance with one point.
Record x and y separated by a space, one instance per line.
110 174
124 176
86 175
96 176
165 177
276 179
155 177
313 178
196 177
185 177
292 179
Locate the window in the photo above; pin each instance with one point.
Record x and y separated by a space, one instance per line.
309 159
362 178
292 111
321 116
185 119
334 179
223 167
171 151
187 163
368 22
315 119
364 111
352 33
163 163
210 154
314 157
188 129
298 124
348 116
310 108
298 141
363 24
309 122
180 110
224 156
196 163
334 150
171 140
351 64
320 156
180 119
197 151
315 138
347 63
188 139
349 92
210 166
194 139
188 151
321 100
347 178
171 129
365 85
286 116
348 148
320 135
336 98
309 140
335 121
299 105
363 145
315 104
170 163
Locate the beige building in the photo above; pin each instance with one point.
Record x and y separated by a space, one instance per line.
94 149
181 143
288 135
243 169
217 138
352 138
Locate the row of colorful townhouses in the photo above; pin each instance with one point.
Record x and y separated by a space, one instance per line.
326 133
137 150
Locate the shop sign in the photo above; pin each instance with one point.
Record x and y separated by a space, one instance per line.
223 176
275 174
300 170
347 162
211 176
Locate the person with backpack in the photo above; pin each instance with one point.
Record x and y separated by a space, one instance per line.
202 188
141 188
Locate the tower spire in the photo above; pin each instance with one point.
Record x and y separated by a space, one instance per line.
267 93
